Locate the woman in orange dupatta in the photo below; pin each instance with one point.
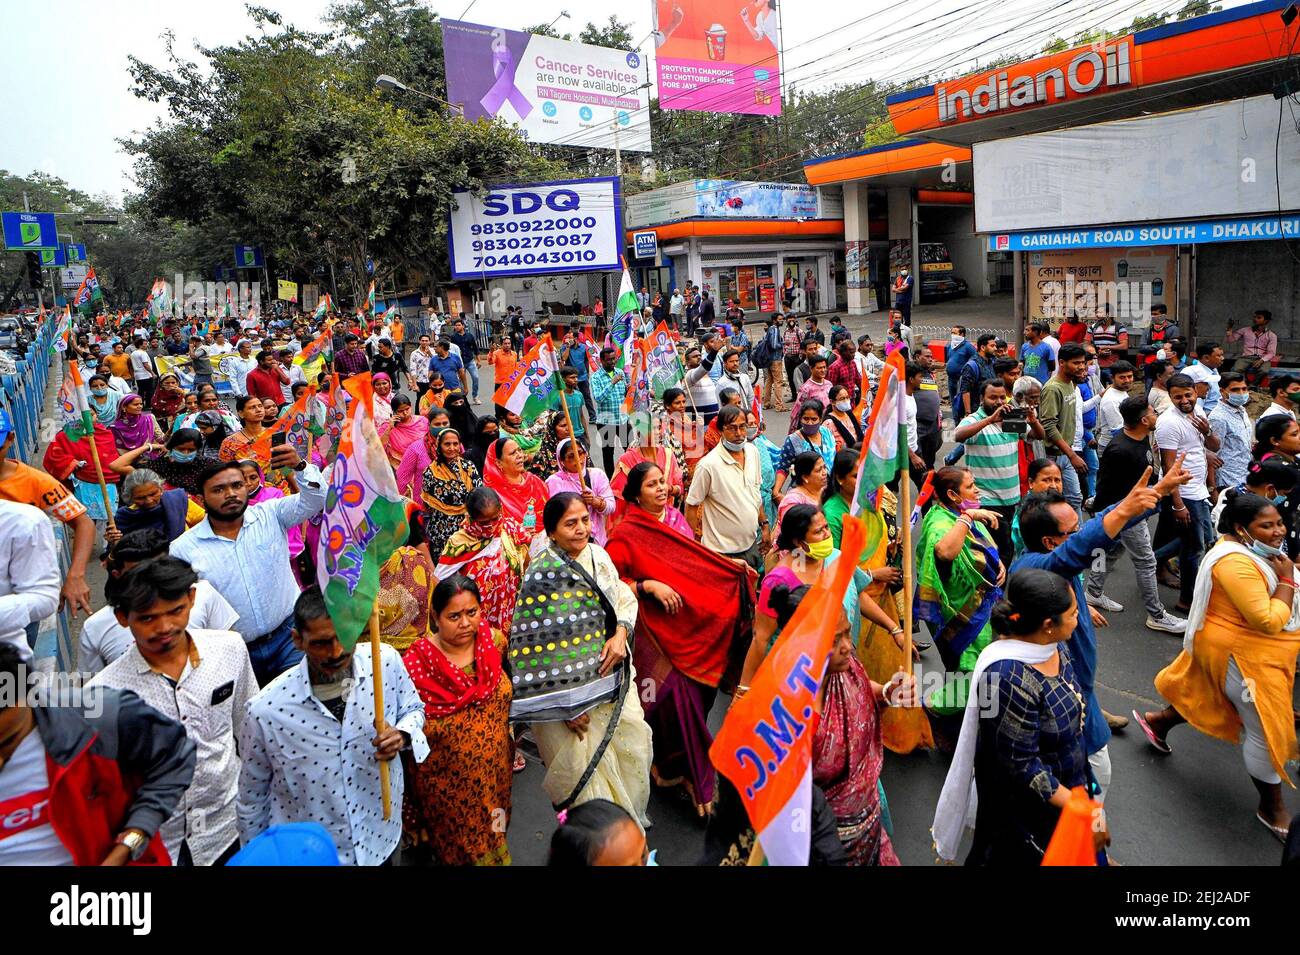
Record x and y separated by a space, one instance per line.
903 729
459 805
521 491
694 622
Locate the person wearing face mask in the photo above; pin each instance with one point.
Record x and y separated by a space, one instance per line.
1236 671
1272 480
844 370
903 294
804 549
1231 424
1127 456
457 670
811 435
177 462
792 349
959 578
845 427
723 504
957 352
491 549
1285 392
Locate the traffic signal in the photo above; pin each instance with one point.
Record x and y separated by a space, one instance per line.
35 277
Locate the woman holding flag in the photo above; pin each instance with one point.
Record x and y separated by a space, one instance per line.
590 484
959 578
446 486
522 493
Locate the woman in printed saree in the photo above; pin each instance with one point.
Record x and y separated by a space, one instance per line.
134 426
847 750
572 676
459 805
492 550
809 476
556 429
903 728
959 580
406 580
693 626
446 486
522 493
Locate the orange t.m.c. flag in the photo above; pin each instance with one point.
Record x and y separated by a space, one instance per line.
1072 841
765 744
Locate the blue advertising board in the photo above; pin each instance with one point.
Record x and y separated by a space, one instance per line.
249 257
54 258
29 231
1199 232
75 252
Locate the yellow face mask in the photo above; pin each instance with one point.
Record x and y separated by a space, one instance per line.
821 550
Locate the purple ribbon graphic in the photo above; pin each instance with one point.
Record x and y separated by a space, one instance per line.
504 66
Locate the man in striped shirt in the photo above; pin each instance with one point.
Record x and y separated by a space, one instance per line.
993 456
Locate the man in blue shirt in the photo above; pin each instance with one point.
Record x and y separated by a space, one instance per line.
1055 541
973 373
1039 359
575 355
958 351
571 397
449 366
468 346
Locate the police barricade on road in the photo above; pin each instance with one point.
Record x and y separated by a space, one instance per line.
22 394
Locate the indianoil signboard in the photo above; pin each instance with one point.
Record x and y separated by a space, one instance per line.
1100 68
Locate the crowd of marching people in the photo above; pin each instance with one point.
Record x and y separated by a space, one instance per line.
582 582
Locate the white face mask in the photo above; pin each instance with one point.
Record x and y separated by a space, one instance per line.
955 340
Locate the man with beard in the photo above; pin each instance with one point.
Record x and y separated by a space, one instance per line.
244 553
200 678
309 747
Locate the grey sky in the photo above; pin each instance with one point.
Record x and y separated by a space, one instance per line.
67 91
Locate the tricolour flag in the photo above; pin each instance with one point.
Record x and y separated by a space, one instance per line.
765 744
884 446
530 389
88 293
322 308
364 519
74 400
371 308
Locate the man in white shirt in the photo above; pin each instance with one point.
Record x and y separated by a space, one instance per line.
1286 396
1109 420
1181 432
244 552
309 747
419 365
201 678
103 639
220 346
142 370
237 366
29 572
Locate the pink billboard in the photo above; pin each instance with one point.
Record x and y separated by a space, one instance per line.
719 56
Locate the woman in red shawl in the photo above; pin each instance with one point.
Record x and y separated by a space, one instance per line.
71 462
519 489
692 630
459 805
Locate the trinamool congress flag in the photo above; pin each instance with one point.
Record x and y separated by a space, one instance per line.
159 299
884 446
627 311
529 389
62 333
88 293
364 519
765 744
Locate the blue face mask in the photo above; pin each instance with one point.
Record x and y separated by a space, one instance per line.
650 859
1260 549
183 457
1279 499
1239 400
733 445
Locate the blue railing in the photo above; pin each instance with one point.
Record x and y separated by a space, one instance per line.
23 394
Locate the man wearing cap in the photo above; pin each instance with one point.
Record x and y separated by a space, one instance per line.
26 485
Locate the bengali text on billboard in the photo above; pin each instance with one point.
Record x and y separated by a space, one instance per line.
718 56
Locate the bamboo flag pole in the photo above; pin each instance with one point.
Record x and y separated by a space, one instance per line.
99 474
905 541
376 674
564 404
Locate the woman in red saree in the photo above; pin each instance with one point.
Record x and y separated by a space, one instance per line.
519 489
459 805
692 630
492 550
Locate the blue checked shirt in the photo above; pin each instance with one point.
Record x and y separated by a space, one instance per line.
1236 437
608 396
252 571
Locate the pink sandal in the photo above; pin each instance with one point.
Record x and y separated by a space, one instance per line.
1160 745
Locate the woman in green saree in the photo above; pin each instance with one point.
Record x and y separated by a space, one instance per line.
959 579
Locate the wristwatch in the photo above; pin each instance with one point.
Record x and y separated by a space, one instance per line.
135 841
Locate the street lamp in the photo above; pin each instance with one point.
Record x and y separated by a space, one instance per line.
386 82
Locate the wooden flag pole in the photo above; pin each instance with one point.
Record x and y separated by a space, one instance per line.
564 404
376 674
905 541
99 474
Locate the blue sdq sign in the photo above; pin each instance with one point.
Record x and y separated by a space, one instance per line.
645 244
30 231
